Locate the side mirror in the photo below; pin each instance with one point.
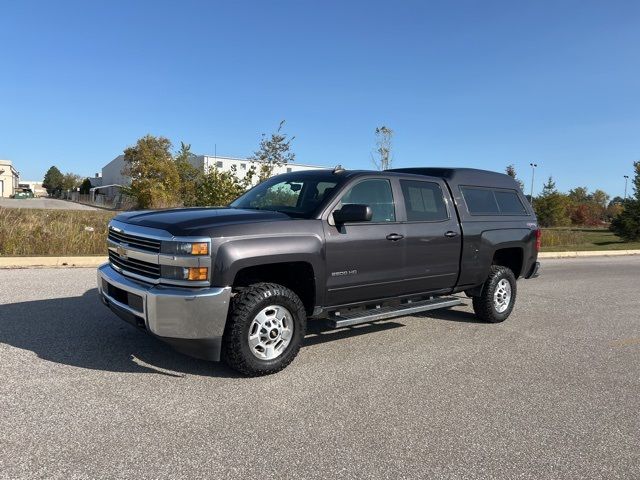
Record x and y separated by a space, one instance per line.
353 213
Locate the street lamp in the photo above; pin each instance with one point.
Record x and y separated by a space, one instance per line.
533 174
626 179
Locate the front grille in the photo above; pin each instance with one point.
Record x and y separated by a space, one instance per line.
132 265
142 243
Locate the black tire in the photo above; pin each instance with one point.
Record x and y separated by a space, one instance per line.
484 305
245 305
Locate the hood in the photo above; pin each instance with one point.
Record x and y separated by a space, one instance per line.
195 221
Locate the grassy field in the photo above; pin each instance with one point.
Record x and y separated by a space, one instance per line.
583 239
26 232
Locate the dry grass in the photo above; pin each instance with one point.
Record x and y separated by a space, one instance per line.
562 237
26 232
52 232
583 239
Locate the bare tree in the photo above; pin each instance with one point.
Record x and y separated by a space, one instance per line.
381 157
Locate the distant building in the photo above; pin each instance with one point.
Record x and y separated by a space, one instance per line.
112 177
242 165
9 178
96 181
36 187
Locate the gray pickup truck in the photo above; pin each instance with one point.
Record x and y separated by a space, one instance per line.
345 247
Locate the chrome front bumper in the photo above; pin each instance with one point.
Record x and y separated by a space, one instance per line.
190 319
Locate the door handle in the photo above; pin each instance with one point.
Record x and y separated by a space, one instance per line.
451 234
394 237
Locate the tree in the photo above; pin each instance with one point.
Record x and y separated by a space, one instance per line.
191 178
549 187
382 157
85 186
511 171
600 197
220 188
274 150
588 208
155 181
627 223
551 206
70 181
52 181
579 195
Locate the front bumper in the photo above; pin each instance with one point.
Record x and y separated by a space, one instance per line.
192 320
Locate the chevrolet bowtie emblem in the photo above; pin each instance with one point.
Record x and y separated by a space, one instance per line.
122 252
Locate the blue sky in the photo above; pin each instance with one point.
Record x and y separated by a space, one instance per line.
463 83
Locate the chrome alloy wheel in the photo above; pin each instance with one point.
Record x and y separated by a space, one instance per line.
270 332
502 295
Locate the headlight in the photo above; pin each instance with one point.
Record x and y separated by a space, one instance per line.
185 248
184 273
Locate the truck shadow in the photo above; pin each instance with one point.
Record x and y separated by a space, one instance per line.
81 332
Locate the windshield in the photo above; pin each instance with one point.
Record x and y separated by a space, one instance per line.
298 196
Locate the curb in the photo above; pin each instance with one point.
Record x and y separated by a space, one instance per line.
595 253
51 262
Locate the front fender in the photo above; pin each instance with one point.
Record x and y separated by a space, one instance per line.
233 254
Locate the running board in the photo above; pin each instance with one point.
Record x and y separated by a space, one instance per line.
347 319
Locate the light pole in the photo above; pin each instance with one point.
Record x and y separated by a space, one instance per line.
626 179
533 174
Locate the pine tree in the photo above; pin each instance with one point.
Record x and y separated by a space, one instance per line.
627 223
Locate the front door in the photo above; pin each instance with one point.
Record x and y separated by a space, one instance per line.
365 260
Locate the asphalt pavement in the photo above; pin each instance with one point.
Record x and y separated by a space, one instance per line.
554 392
43 203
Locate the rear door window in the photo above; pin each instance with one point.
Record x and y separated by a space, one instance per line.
424 201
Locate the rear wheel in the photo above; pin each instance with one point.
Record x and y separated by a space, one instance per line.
264 331
498 295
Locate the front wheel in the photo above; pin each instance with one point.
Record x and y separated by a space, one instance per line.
498 296
265 329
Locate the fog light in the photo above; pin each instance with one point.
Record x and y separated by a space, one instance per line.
198 273
185 273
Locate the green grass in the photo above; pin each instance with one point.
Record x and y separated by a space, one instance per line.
583 239
26 232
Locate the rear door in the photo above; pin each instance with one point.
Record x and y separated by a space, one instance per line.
432 235
365 260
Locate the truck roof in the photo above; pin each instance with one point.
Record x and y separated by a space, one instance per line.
453 176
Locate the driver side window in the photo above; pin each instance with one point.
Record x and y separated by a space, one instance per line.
377 194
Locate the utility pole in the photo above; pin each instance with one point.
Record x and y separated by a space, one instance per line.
533 174
626 179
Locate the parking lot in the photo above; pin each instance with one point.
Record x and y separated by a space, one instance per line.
554 392
43 203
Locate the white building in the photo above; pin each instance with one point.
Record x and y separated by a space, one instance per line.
9 178
242 165
36 187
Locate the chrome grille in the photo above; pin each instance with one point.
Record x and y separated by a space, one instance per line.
142 243
132 265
